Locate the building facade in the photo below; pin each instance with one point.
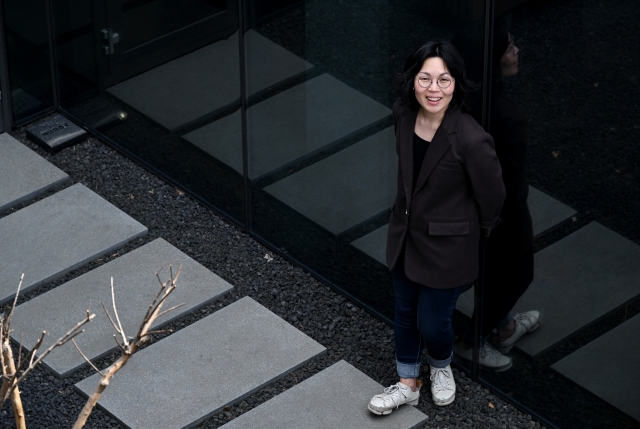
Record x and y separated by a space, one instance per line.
277 115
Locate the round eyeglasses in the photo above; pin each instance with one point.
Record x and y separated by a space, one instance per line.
442 81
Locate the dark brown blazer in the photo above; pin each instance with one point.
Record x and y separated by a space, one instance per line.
459 191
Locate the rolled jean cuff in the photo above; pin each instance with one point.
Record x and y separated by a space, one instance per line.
439 363
408 370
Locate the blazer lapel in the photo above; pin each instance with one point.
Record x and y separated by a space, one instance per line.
407 125
438 146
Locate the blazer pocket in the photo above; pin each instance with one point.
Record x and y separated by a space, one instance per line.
449 228
447 165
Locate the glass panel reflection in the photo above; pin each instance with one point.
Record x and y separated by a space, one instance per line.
322 156
156 87
557 108
28 57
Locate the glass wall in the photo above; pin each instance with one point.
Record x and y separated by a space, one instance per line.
570 107
29 58
161 81
278 115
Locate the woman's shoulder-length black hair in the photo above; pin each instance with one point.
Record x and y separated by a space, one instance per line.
454 63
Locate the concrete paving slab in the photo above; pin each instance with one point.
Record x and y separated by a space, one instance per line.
204 81
195 372
134 276
346 188
374 244
614 380
577 280
23 173
291 125
546 211
58 234
314 404
56 133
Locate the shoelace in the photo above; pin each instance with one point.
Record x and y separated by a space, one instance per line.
440 378
525 320
392 394
491 353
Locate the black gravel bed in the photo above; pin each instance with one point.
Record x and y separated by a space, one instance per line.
347 331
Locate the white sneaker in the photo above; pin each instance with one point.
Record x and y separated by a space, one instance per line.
394 396
443 387
490 358
525 322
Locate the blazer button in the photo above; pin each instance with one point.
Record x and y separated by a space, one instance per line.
406 212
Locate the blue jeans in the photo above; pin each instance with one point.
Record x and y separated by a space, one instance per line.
422 312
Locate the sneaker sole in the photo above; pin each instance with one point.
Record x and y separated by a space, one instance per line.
462 360
387 412
442 404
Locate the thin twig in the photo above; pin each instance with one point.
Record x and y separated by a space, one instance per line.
86 358
115 337
115 311
162 331
169 309
109 316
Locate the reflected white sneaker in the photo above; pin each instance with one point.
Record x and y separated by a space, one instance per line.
394 396
525 322
490 358
443 387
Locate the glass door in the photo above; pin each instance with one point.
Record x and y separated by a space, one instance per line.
141 34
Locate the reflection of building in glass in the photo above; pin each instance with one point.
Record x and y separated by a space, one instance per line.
277 115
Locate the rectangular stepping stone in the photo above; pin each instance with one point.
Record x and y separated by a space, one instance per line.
546 211
58 234
608 367
577 280
56 133
374 244
197 371
346 188
336 397
207 80
291 125
23 173
136 284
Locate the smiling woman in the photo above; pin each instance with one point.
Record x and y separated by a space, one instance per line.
449 189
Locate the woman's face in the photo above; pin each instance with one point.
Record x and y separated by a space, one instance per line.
509 60
433 99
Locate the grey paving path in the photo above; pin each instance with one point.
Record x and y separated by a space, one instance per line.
546 211
347 188
291 125
195 372
608 367
334 398
23 173
58 234
577 280
134 276
374 244
206 80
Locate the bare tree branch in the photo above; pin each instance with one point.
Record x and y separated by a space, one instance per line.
115 311
86 358
129 348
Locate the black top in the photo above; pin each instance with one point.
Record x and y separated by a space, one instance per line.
420 147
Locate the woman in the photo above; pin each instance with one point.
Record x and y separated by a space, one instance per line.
509 251
449 189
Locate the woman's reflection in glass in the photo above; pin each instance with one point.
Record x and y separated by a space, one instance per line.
509 249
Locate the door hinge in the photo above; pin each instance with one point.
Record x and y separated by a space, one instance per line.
110 39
